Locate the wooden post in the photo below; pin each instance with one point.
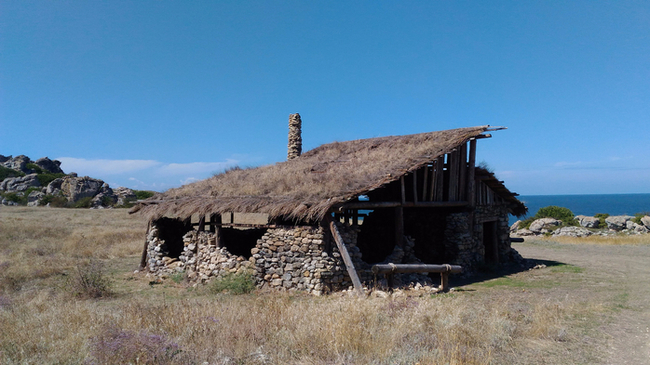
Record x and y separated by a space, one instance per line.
355 217
462 191
444 281
453 176
201 227
346 258
440 178
403 189
217 229
471 174
425 170
415 186
143 259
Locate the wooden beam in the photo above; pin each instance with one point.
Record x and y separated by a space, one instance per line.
201 223
403 189
413 268
462 187
453 176
379 205
471 181
440 178
415 186
425 171
143 259
346 258
216 223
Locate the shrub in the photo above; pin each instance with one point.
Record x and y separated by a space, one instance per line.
118 346
56 201
601 218
560 213
89 281
143 194
6 172
234 283
178 277
34 167
638 216
46 178
83 202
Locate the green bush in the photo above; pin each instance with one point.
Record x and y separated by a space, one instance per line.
83 202
560 213
143 194
6 172
46 178
55 201
20 199
601 218
37 169
234 283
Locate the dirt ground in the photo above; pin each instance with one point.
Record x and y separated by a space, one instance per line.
619 277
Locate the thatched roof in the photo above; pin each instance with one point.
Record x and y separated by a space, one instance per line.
305 188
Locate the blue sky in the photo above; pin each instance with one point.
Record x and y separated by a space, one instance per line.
154 94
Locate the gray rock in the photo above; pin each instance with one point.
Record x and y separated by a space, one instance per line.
18 163
53 166
124 195
543 225
515 226
524 232
588 222
33 199
21 183
617 222
646 221
572 232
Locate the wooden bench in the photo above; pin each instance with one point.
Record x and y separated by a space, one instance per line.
390 269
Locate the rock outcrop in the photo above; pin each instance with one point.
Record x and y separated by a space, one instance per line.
617 222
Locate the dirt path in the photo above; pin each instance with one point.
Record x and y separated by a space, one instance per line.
623 272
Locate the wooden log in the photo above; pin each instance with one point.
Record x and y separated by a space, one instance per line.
471 182
402 189
216 223
143 259
346 258
440 178
444 281
462 187
415 186
425 178
201 223
378 205
413 268
516 239
453 176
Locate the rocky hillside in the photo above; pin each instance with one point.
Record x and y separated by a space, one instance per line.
582 226
42 182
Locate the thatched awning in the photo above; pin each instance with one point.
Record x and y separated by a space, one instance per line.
305 188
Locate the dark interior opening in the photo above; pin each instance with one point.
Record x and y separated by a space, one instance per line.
240 241
171 231
490 242
376 240
427 228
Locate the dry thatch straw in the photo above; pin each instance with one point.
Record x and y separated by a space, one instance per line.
305 188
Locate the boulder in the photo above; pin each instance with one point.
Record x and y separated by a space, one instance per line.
124 195
49 165
524 232
544 225
515 226
104 197
588 222
572 232
646 221
34 198
75 188
18 163
21 183
617 222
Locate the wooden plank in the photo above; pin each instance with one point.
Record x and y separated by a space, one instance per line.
415 186
425 177
440 178
471 182
143 259
346 258
413 268
462 187
453 176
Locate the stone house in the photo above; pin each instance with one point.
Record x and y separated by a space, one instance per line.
322 218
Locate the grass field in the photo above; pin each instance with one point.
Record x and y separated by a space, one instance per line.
46 316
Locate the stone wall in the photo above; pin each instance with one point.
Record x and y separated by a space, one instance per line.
292 258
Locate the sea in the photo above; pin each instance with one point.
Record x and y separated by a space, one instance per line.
612 204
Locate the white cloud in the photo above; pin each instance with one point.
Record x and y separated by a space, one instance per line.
102 167
195 167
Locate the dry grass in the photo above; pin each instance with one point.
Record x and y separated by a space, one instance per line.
42 323
618 239
306 187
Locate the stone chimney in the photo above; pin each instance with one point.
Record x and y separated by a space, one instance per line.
295 136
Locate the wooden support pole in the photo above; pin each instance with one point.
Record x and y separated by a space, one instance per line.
425 179
201 227
402 189
415 186
462 191
216 223
143 259
440 178
471 181
346 258
453 176
444 281
355 217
